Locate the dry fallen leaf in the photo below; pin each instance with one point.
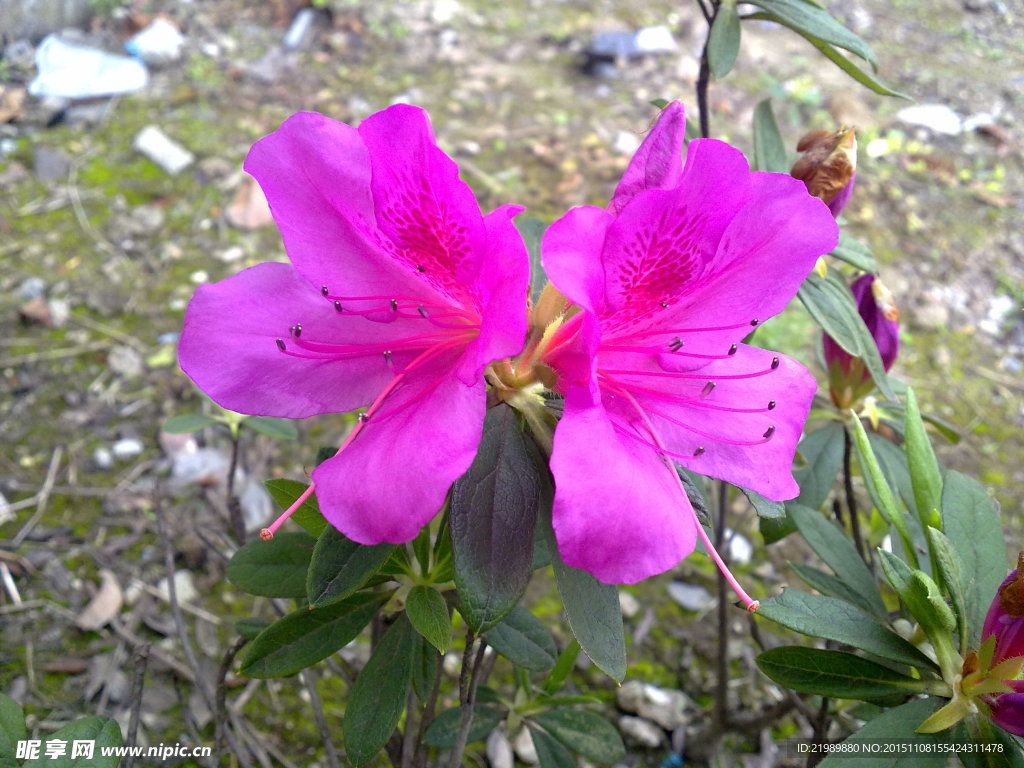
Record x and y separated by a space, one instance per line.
249 209
12 103
104 606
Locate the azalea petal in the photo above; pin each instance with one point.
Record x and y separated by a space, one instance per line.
571 249
394 476
618 514
429 214
726 408
1008 712
315 173
228 346
658 162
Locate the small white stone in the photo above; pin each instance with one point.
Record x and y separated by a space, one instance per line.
127 448
640 732
523 746
740 549
162 150
103 458
184 587
626 143
628 604
692 597
499 750
935 117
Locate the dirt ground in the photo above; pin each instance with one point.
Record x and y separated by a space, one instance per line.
101 250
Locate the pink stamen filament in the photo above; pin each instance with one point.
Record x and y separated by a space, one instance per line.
363 350
663 350
674 375
667 331
751 604
681 456
666 398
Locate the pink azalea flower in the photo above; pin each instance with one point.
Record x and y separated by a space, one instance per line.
683 264
399 294
1005 623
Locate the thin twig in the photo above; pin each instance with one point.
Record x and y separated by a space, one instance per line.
467 693
220 710
420 760
234 505
318 714
721 714
140 658
54 354
851 498
408 744
44 497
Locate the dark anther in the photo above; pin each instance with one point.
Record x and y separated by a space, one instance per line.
394 305
708 388
387 355
771 405
699 451
732 349
755 321
323 290
769 432
363 418
337 307
663 304
420 268
676 344
423 311
296 330
775 363
280 344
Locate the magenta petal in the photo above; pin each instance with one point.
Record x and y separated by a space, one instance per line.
228 346
1008 712
571 248
618 514
393 478
659 160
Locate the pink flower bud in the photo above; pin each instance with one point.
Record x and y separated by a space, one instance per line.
1005 622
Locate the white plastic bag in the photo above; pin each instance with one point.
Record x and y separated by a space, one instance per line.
76 72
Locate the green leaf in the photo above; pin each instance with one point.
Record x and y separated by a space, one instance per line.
724 40
429 615
924 467
308 635
279 429
807 19
831 304
833 673
101 730
765 508
584 732
522 639
426 663
340 566
855 71
592 609
532 230
919 593
12 726
187 422
832 619
971 521
492 519
822 449
251 626
997 748
893 462
855 253
769 148
835 548
286 492
563 668
377 698
832 586
894 726
949 572
550 752
275 568
444 729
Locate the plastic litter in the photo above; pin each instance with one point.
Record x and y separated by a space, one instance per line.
165 152
77 72
159 43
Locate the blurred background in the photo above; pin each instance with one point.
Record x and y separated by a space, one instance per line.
114 207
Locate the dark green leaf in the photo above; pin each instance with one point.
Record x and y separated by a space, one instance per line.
971 521
831 304
764 507
550 752
308 635
377 698
563 668
340 566
835 548
584 732
769 148
851 68
832 619
724 40
250 627
102 730
425 665
694 485
893 462
856 253
949 572
421 548
925 476
919 593
492 519
187 422
807 19
275 568
522 639
12 726
830 585
822 449
832 673
997 748
443 731
286 492
775 529
279 429
593 612
429 615
895 726
532 230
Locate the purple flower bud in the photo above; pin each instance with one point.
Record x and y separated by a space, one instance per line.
848 376
828 166
1005 622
